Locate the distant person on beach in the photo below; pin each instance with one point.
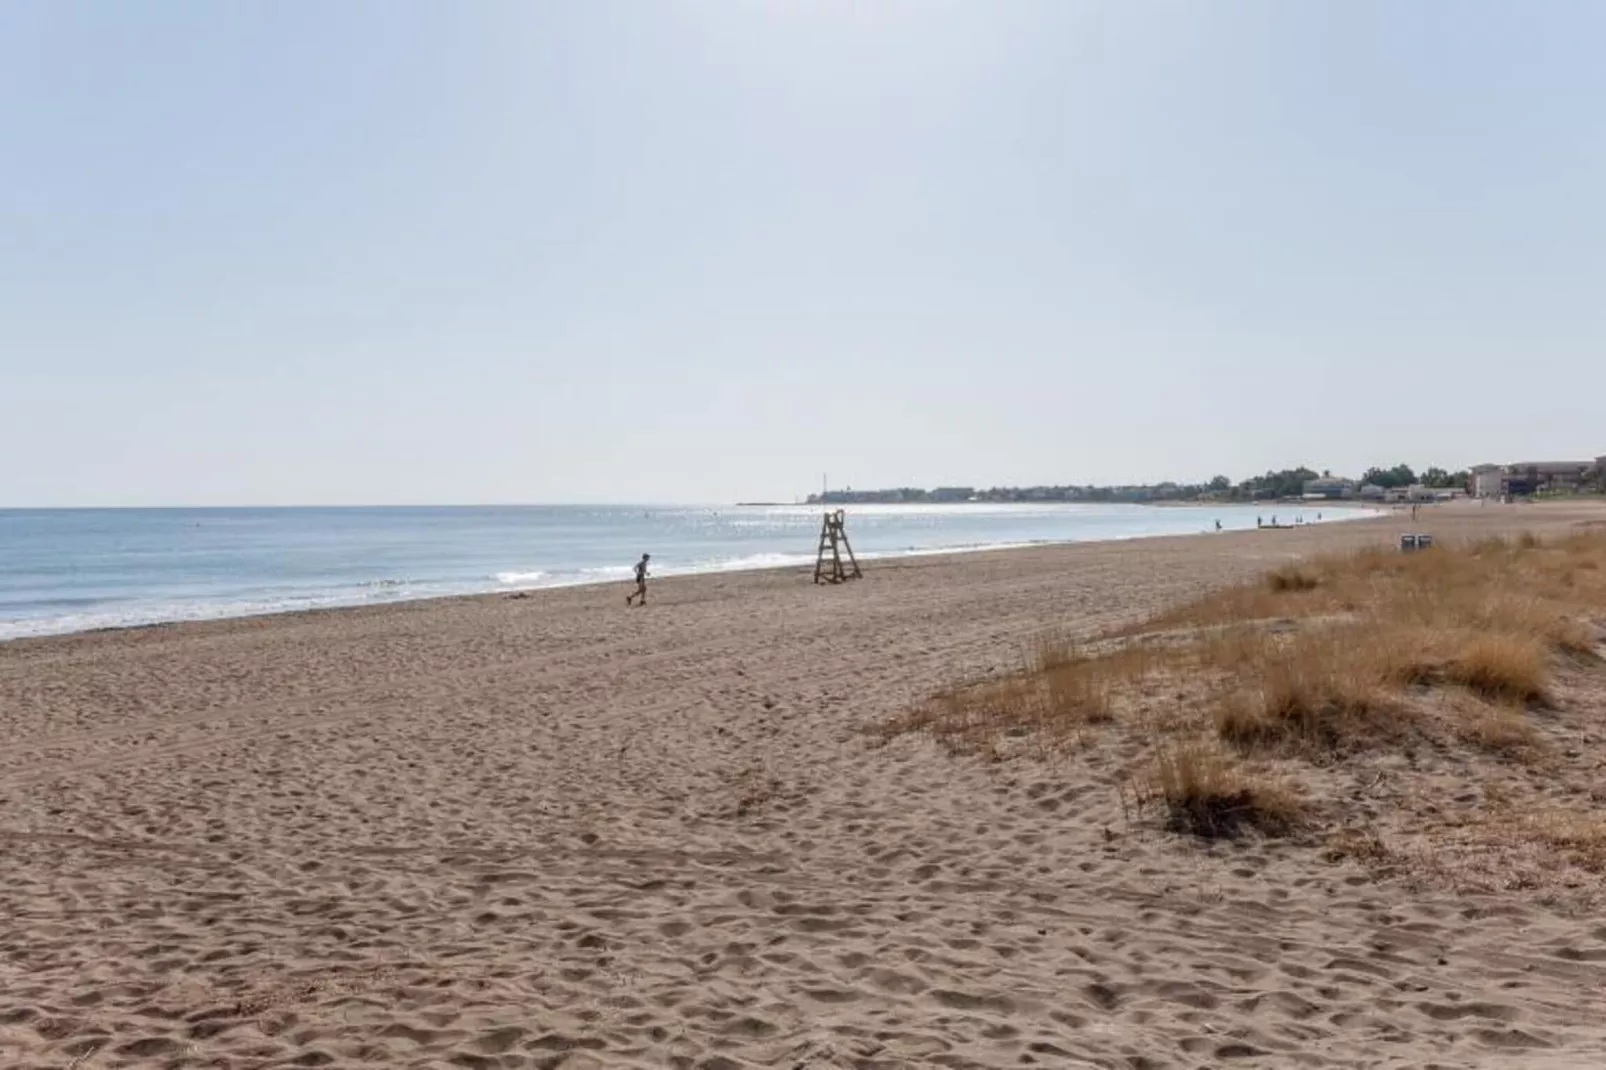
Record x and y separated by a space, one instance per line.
641 581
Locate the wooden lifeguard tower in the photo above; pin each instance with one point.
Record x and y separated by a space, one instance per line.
829 566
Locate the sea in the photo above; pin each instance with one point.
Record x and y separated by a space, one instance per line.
69 570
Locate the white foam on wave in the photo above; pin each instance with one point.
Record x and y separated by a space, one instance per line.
753 561
146 613
520 577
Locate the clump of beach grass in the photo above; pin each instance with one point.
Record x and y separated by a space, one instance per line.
1503 730
1060 690
1206 794
1309 695
1580 837
1293 577
1502 666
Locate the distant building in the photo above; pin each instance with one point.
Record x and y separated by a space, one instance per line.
1488 481
953 494
1326 489
1530 477
1371 492
1416 492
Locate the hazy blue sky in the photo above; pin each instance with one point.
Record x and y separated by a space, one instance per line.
305 252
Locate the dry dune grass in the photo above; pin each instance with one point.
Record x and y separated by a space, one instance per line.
1062 690
1501 730
1503 666
1321 662
1315 691
1206 793
1292 578
1581 837
1375 626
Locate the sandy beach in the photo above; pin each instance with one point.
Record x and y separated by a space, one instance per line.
545 830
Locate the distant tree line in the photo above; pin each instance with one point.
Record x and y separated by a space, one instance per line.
1402 476
1288 483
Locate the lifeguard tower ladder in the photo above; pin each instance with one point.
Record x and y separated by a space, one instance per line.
829 566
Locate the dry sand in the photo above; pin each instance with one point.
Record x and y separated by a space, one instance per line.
550 831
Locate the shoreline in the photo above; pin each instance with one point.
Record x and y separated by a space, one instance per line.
803 563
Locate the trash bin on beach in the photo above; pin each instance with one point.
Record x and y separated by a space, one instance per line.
1409 543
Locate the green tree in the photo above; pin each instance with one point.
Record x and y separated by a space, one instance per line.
1289 483
1398 476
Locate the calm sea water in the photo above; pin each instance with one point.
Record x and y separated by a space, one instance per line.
77 569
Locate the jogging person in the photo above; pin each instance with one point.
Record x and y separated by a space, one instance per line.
641 581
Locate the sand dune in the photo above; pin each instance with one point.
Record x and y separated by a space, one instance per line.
550 831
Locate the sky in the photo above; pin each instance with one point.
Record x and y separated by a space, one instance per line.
716 250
